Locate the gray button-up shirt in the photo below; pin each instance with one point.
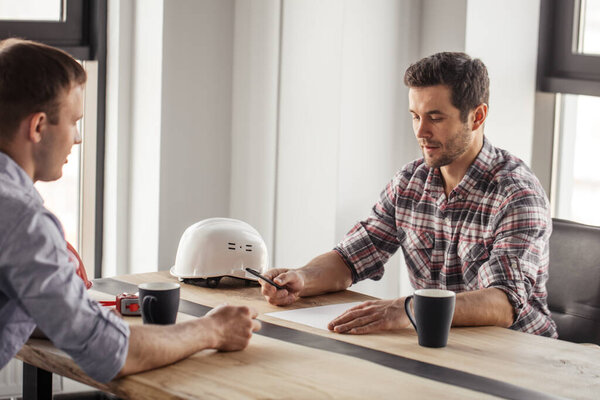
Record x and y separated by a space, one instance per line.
38 285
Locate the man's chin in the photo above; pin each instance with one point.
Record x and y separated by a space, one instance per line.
431 163
51 177
435 163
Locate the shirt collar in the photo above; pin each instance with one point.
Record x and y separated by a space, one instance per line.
477 171
12 172
434 185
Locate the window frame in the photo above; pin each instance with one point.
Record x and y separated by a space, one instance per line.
560 70
82 35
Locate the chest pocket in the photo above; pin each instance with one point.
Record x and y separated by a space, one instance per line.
418 248
472 256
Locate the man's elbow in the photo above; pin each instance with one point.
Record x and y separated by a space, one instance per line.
508 319
127 369
507 314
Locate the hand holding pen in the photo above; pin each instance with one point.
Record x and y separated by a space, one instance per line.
291 281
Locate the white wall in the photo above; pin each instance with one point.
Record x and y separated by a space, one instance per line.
308 129
504 34
442 27
254 114
195 157
145 146
132 155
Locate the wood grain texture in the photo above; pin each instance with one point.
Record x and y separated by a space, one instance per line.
270 368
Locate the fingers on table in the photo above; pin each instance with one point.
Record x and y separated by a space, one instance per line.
253 312
353 318
282 298
256 325
368 328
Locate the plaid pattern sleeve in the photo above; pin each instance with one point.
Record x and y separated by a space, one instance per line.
518 263
370 243
492 230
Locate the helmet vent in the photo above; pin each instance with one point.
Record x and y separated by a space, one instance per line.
248 247
231 246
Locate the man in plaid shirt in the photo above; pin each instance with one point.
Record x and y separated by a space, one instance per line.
469 217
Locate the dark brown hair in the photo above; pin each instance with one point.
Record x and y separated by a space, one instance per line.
33 77
467 78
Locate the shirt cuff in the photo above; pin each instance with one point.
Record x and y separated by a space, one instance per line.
348 263
110 344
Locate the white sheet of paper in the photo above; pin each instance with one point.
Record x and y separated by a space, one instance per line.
317 317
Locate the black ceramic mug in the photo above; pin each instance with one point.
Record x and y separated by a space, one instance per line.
434 309
159 302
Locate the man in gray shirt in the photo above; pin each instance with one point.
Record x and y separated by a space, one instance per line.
41 101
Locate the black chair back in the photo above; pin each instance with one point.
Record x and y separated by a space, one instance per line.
574 282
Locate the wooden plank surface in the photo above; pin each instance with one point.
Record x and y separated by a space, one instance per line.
271 368
267 369
534 362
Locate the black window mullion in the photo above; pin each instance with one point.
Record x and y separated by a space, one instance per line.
70 33
559 68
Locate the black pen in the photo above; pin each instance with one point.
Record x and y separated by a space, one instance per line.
264 278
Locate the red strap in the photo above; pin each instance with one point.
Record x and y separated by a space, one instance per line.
74 256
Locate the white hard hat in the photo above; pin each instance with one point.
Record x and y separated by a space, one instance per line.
217 247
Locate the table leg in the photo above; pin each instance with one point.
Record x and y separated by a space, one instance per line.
37 383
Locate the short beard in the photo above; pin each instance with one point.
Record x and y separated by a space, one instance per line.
454 148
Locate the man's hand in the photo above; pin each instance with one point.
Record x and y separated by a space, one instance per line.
232 326
290 279
225 328
372 316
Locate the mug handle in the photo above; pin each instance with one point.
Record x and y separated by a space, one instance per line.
146 308
407 310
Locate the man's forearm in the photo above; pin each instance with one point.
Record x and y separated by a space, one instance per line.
152 346
325 273
483 307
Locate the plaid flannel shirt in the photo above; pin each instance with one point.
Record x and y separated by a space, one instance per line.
491 231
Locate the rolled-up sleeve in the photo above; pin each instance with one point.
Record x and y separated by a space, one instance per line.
41 278
371 242
519 257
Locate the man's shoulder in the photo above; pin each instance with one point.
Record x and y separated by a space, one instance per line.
23 214
16 204
510 170
512 176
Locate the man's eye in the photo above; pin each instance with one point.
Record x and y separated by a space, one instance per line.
415 117
436 119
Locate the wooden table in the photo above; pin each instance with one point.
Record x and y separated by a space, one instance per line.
276 368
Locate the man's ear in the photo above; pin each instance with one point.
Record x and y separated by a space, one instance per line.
479 115
37 125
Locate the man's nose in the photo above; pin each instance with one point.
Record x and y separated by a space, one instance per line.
422 130
77 139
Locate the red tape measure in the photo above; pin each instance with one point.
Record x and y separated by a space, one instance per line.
126 304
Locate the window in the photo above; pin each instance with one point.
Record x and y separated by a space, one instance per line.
588 38
577 179
79 28
569 67
31 10
63 196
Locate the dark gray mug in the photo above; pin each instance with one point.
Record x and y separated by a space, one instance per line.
434 309
159 302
